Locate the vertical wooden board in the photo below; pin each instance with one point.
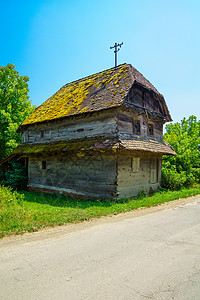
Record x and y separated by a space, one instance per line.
144 98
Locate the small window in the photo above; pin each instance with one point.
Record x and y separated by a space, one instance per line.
44 165
42 134
80 130
150 129
136 126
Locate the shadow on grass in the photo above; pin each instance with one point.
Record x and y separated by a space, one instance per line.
64 201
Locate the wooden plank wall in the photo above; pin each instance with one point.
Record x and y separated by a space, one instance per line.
101 124
125 124
144 98
83 174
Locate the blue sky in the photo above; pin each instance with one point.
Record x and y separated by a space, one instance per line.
58 41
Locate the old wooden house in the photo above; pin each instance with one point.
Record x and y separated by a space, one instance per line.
100 136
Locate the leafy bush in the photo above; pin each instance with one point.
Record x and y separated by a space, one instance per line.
184 168
10 198
15 176
173 180
196 174
12 210
190 179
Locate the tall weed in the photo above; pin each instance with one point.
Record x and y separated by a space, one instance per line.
12 211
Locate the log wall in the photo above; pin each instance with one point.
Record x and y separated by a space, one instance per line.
125 119
77 174
96 175
90 126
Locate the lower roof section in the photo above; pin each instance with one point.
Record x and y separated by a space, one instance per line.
98 143
147 144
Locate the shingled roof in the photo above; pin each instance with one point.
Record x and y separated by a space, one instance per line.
100 91
97 143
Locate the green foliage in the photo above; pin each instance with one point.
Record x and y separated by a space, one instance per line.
173 180
184 168
12 212
2 175
14 107
196 174
15 176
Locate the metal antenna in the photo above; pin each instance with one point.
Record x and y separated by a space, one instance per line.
117 48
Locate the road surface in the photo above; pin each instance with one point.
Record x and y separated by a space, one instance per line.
149 254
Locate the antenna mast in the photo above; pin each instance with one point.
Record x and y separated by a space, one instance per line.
117 48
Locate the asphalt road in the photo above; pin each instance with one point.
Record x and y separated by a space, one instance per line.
150 254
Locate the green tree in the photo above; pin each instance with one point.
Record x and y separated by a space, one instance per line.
184 137
184 168
15 107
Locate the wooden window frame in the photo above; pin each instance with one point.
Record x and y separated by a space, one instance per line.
152 129
138 123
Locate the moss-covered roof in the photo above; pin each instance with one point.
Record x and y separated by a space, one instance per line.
97 143
100 91
64 146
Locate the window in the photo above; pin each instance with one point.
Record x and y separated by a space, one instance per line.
150 129
44 165
42 134
136 126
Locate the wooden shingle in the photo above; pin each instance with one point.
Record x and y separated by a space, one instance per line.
104 90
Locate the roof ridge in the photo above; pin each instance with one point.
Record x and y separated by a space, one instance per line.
103 90
89 76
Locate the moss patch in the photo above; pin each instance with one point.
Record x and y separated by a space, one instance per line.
65 146
83 96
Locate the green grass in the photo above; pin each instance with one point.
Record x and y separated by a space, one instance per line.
29 211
